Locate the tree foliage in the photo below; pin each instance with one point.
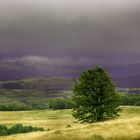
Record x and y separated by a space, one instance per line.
129 99
94 96
60 103
18 128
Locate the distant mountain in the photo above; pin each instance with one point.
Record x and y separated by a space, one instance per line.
123 75
19 70
48 84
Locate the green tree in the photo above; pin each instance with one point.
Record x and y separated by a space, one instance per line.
57 103
60 103
94 97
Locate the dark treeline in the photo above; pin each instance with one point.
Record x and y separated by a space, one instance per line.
20 107
67 103
54 103
18 128
64 103
129 99
60 103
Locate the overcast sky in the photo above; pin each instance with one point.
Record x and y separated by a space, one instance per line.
70 31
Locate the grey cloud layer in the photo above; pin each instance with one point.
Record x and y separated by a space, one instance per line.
104 31
39 60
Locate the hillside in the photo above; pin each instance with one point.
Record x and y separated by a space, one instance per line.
53 84
123 75
37 97
35 90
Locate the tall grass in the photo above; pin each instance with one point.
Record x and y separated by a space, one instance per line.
126 127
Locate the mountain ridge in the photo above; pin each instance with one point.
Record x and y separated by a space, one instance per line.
126 76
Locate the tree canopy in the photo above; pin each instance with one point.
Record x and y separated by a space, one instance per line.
94 96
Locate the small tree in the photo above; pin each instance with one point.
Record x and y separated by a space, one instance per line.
60 103
57 103
94 97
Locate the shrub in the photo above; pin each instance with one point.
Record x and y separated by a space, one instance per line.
14 107
137 103
18 128
60 103
21 107
129 99
3 130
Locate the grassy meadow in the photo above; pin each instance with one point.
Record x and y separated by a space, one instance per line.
60 125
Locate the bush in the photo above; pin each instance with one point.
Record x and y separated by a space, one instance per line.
60 103
14 107
21 107
18 128
137 103
129 99
3 130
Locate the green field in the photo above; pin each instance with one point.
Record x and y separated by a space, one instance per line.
60 125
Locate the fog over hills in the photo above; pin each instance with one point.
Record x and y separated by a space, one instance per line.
62 38
123 75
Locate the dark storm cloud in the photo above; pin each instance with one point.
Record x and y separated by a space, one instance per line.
99 31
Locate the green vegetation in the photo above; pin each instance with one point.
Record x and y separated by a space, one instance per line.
94 97
33 93
60 125
30 97
18 128
14 107
54 103
129 99
20 107
21 99
60 103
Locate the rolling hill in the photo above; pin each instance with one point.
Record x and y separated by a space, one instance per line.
53 83
125 76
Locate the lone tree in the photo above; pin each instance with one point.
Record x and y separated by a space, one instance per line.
94 97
